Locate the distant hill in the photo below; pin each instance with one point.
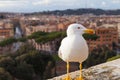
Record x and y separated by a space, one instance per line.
81 11
70 12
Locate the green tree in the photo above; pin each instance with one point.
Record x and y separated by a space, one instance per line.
7 41
113 58
24 71
8 64
99 55
4 75
39 62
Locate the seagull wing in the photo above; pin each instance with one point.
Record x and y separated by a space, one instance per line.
59 53
60 49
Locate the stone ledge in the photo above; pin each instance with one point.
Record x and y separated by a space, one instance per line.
106 71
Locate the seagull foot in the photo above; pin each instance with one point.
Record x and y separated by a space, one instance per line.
67 78
79 78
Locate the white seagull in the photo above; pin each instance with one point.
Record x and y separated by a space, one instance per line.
74 48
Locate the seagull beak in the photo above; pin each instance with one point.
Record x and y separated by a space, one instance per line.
89 31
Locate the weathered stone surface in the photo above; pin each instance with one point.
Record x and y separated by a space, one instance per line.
105 71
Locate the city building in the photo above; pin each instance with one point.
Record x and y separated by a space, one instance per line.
107 36
105 26
119 31
6 31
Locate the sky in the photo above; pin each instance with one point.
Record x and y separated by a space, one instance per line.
27 6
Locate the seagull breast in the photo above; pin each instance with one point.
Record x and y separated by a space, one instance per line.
73 49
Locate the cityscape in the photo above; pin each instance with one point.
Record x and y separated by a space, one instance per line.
29 41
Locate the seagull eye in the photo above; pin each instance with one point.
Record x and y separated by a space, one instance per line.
78 27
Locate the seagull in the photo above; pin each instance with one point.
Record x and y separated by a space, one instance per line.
74 48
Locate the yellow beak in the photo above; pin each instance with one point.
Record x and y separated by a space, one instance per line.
89 31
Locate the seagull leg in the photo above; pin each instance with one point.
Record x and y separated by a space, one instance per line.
80 77
68 76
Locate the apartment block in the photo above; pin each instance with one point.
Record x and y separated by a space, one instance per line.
6 31
108 36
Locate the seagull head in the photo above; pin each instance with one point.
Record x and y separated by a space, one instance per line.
79 29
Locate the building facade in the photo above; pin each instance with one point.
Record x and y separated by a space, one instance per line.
107 36
6 31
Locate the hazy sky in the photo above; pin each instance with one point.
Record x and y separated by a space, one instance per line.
45 5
